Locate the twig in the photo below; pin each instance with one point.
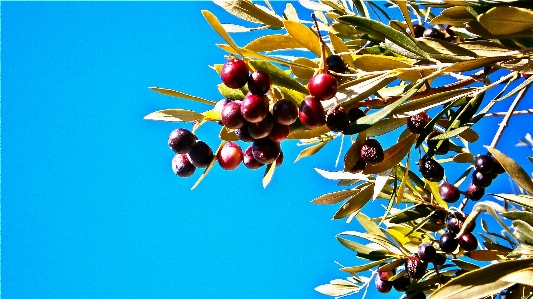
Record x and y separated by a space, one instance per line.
519 112
507 117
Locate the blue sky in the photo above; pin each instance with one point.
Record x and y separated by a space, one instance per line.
91 208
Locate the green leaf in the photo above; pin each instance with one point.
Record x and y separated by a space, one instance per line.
521 277
247 11
379 240
178 94
292 95
217 26
524 231
434 100
520 215
279 77
369 225
410 214
481 282
443 50
392 155
334 197
463 158
175 115
307 134
362 268
348 95
310 150
517 173
272 43
367 121
385 126
384 31
355 203
305 36
230 93
502 20
364 251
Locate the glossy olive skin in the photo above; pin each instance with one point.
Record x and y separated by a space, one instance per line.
230 156
254 108
449 193
181 141
285 112
312 113
323 86
181 166
448 242
234 73
259 82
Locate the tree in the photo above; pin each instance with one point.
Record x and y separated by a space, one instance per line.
365 79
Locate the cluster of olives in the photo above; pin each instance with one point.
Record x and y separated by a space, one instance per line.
421 31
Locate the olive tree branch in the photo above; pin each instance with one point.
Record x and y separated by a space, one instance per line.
507 117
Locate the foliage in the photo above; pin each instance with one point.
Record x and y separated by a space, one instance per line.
393 76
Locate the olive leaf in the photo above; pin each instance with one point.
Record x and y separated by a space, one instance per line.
208 168
311 150
175 115
178 94
246 10
517 173
481 282
269 173
503 20
217 26
279 77
365 267
273 42
355 203
334 197
364 251
305 36
384 31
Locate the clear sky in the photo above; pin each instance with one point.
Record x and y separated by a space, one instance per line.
91 208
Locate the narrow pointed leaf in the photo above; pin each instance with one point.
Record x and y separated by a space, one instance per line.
481 282
362 268
246 10
517 173
178 94
369 225
206 171
385 32
230 93
279 77
272 43
334 197
364 251
367 121
341 175
305 36
310 151
269 173
392 155
307 134
355 203
217 26
175 115
503 20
